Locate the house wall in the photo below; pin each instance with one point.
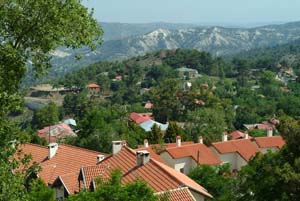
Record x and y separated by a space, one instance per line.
230 158
168 159
197 196
240 162
265 150
186 162
60 193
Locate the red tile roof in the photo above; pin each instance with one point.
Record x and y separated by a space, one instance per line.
66 163
269 142
237 135
158 176
206 156
58 131
244 147
91 171
179 194
70 182
93 86
139 118
154 148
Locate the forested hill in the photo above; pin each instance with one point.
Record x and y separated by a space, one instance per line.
216 40
288 53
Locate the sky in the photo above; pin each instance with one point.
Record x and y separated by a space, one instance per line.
195 11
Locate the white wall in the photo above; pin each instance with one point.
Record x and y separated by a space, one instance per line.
186 163
60 193
265 150
168 159
240 162
226 158
197 196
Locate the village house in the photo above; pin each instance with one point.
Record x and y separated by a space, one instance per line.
140 164
148 105
71 122
57 132
235 135
47 90
61 162
184 157
270 142
155 149
145 121
187 73
93 89
238 152
235 152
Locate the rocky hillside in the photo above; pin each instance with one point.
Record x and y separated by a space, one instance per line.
216 40
219 41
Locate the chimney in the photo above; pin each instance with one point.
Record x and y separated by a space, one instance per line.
200 139
52 149
225 137
270 132
246 135
146 144
100 158
142 157
116 146
178 141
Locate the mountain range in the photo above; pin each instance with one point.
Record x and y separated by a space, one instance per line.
122 41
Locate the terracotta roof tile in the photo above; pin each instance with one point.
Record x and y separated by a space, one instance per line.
58 131
139 118
68 159
269 142
158 176
70 182
237 135
206 156
179 194
244 147
93 86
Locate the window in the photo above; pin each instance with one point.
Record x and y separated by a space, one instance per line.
181 170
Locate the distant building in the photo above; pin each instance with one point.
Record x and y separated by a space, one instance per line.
46 90
71 122
187 72
93 89
56 132
145 121
148 105
118 78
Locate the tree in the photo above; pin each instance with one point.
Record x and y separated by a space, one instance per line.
46 116
173 131
208 122
166 105
39 191
156 136
278 174
216 179
29 31
113 190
